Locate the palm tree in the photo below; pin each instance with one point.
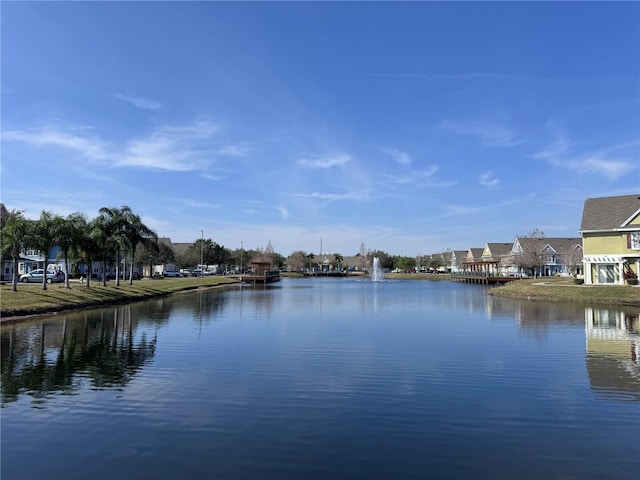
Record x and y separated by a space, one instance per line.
85 246
146 255
310 257
102 232
43 237
338 259
68 231
13 235
115 224
135 233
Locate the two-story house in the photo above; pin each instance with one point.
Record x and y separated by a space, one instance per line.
611 239
544 257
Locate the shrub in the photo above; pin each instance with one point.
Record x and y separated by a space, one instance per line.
578 281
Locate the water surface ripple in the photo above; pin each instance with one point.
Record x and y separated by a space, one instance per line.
324 378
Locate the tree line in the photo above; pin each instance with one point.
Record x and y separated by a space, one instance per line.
118 236
115 234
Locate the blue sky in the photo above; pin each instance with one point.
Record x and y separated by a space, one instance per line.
412 127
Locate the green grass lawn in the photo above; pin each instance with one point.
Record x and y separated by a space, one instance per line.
31 299
563 289
417 276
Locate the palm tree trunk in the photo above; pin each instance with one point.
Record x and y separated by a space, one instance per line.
14 278
44 276
118 268
133 255
66 270
89 264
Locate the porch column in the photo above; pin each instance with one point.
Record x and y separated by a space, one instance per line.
587 272
621 275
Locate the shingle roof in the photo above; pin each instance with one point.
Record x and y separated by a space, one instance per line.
459 256
560 245
608 213
180 247
499 249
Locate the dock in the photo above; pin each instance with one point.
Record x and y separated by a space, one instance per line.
325 273
483 278
261 272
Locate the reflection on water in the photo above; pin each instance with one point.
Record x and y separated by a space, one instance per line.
323 378
613 352
53 356
534 318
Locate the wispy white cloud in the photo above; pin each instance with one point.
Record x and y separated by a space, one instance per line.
321 196
458 76
139 102
452 210
196 204
327 161
330 197
489 134
234 151
284 212
456 210
487 179
611 162
87 146
170 147
212 176
610 168
399 156
418 178
424 177
489 76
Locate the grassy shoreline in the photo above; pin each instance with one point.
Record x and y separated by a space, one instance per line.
550 289
31 300
561 289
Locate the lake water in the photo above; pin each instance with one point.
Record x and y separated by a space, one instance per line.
324 379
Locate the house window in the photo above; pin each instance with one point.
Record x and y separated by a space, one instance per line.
606 274
634 241
606 319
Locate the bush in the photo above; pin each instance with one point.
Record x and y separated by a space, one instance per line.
578 281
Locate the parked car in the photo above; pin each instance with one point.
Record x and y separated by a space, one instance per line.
35 276
171 273
185 272
123 276
198 272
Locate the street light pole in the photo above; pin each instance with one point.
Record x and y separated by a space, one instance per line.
201 253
